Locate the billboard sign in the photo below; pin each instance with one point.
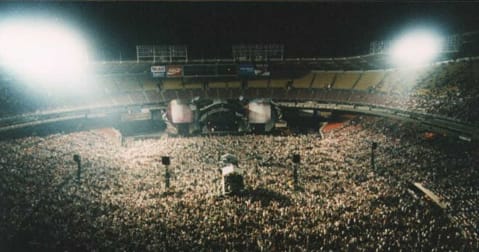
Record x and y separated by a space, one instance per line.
174 71
246 70
262 70
158 71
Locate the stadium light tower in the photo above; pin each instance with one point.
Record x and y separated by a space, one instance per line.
42 51
415 48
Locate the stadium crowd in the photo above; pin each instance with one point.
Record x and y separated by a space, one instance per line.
120 201
451 101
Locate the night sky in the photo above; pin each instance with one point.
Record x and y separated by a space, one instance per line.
323 29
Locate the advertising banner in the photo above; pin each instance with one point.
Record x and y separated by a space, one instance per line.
158 71
174 71
246 70
262 70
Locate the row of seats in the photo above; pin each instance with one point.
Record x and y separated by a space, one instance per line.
352 86
391 80
386 81
235 93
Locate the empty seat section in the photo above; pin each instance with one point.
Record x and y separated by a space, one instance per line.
138 98
153 96
184 94
257 83
303 82
346 80
212 93
235 89
172 84
369 79
236 93
278 83
198 92
128 84
234 84
224 93
264 93
300 94
279 93
251 93
194 85
217 85
122 99
323 79
169 95
108 85
150 85
103 101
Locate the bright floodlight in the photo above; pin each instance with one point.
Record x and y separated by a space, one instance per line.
42 51
416 48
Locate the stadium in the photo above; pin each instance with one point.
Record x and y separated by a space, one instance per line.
256 148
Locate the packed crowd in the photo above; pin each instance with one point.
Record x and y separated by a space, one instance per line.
448 90
451 101
119 201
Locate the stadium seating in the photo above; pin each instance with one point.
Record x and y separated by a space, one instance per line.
211 93
251 93
128 84
346 80
138 98
122 99
437 88
197 92
109 84
323 79
258 83
219 84
302 94
225 93
153 96
369 79
171 84
234 84
303 82
150 85
279 93
184 94
193 85
169 94
279 83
